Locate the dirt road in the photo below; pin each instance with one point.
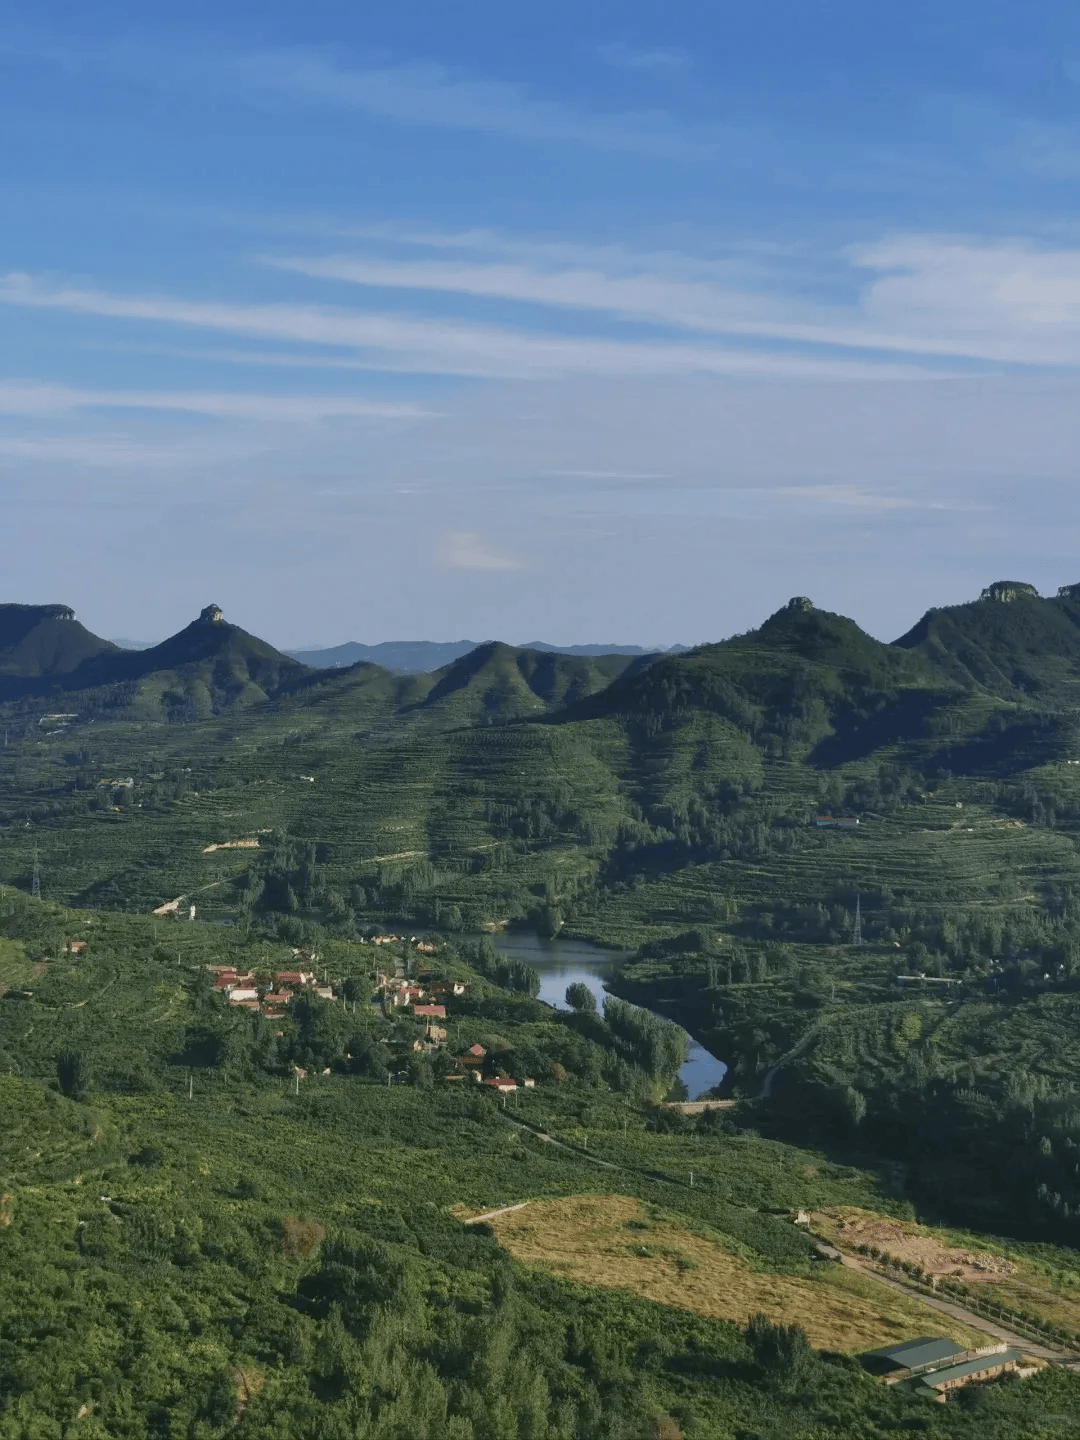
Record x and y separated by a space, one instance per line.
960 1312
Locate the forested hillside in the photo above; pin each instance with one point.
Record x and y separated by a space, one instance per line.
898 993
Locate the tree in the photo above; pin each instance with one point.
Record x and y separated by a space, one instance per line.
580 998
73 1074
782 1351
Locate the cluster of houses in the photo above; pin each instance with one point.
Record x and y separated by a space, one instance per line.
422 996
262 993
471 1064
426 999
425 947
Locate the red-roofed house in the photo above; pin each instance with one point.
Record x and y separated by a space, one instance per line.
279 997
290 977
447 987
431 1012
502 1084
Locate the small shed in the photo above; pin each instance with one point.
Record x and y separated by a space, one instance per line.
911 1355
939 1382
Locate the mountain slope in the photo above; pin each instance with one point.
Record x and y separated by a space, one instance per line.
500 682
806 677
1011 640
44 642
414 657
208 666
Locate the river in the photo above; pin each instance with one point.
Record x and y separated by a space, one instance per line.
562 962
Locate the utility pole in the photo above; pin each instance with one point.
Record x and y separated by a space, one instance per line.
856 938
190 1083
35 888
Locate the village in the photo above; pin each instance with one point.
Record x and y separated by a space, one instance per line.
424 998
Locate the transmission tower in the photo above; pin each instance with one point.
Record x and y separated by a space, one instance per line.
856 938
36 887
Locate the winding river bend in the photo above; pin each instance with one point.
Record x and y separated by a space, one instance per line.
562 962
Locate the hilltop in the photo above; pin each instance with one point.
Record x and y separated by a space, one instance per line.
1011 641
208 666
43 643
496 681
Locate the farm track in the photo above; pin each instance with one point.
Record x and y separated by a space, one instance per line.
969 1317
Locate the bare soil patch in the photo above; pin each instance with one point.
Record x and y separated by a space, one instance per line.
1012 1281
912 1243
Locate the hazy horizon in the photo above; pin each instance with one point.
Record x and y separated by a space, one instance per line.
556 323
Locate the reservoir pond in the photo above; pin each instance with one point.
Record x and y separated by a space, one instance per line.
562 962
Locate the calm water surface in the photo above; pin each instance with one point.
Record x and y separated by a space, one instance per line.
564 962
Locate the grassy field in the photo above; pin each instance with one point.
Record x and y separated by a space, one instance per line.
619 1243
15 969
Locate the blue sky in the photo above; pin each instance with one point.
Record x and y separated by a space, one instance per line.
574 322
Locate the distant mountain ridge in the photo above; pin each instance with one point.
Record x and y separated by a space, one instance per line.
818 669
418 657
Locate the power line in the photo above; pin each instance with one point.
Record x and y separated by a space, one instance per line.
36 884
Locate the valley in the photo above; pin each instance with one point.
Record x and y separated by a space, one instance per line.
896 1003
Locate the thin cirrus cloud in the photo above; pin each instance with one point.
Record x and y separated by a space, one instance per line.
1006 301
412 92
468 550
424 93
400 343
657 59
32 398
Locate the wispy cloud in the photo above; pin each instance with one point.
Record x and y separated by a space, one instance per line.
425 93
104 452
413 91
1006 301
854 497
467 550
400 343
662 59
34 398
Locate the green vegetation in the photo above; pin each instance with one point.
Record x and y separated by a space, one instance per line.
278 1250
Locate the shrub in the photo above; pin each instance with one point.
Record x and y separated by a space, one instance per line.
300 1237
782 1352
